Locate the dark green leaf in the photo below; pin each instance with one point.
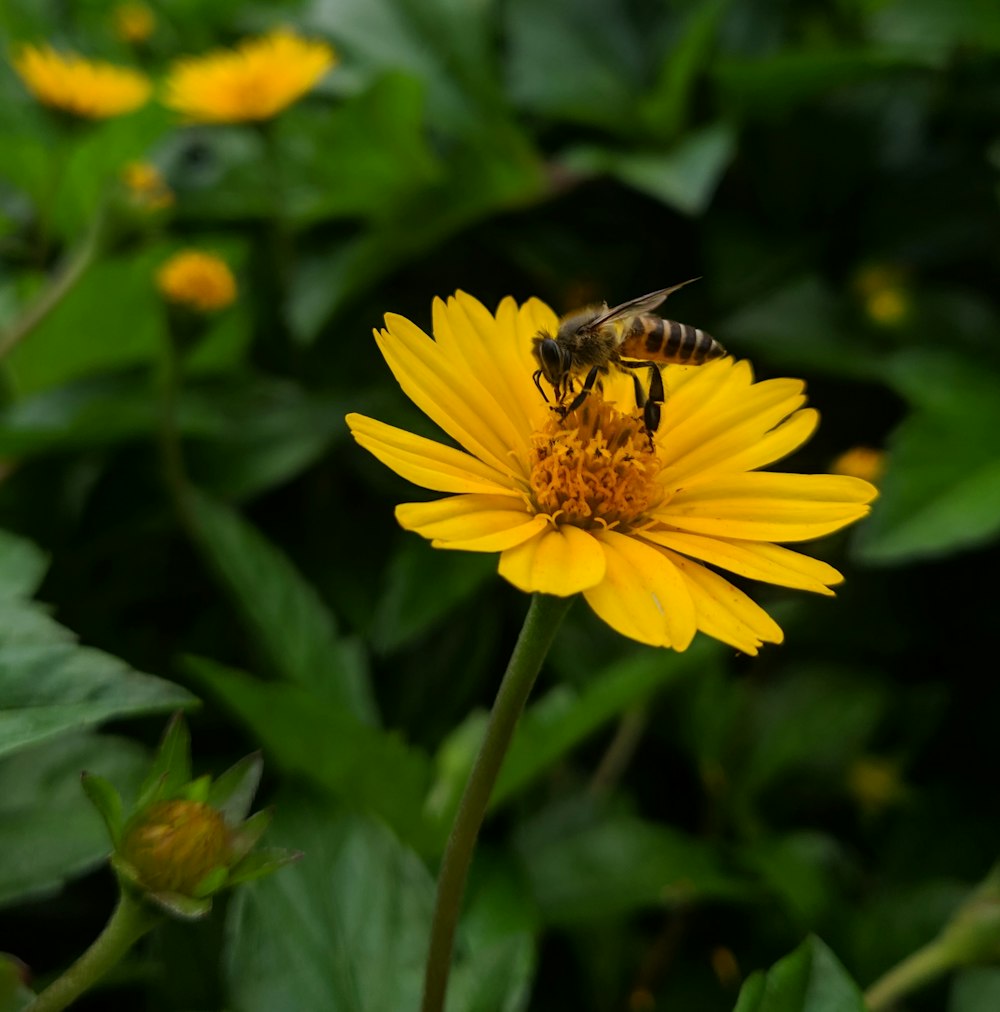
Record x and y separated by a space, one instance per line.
311 736
22 566
52 685
941 491
774 84
352 918
975 990
559 721
685 177
49 830
584 868
406 610
578 61
809 980
283 612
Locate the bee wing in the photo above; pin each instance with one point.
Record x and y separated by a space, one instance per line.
635 307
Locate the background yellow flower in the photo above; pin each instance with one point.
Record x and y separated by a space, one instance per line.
200 281
590 503
88 88
254 81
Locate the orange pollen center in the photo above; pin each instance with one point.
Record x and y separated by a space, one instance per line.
594 467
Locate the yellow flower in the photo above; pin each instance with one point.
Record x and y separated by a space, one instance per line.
862 462
589 503
254 81
134 22
196 280
88 88
884 294
146 186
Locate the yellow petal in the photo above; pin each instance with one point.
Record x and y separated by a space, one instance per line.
467 330
725 613
746 413
769 507
642 595
561 560
473 523
446 392
427 463
756 560
754 442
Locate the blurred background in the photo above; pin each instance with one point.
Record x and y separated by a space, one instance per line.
666 823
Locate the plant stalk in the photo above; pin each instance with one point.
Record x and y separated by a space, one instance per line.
537 634
917 969
131 920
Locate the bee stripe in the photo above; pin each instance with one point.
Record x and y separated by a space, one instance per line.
673 345
654 336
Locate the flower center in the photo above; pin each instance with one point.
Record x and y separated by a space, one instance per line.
595 466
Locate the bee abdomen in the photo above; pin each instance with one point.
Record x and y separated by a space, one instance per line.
651 337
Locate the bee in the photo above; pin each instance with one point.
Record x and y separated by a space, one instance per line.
629 337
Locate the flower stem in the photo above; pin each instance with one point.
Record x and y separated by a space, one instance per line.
65 280
131 920
917 969
540 625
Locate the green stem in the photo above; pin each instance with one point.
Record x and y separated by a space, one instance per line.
540 625
917 969
131 920
62 283
619 753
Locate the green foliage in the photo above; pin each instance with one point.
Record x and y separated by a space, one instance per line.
663 824
809 980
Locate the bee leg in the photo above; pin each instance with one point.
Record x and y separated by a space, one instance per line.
537 377
651 409
588 385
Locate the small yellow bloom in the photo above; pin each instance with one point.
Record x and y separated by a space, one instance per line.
175 844
861 462
134 22
254 81
146 186
884 294
875 783
588 503
198 281
87 88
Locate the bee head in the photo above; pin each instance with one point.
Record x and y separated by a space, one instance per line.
554 361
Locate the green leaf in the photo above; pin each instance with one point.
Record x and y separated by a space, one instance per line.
665 109
308 735
573 60
22 566
14 995
49 830
449 46
132 333
585 864
975 990
232 793
941 491
406 611
926 29
105 798
560 721
684 177
802 325
284 614
785 80
171 767
245 837
809 980
352 918
52 685
262 862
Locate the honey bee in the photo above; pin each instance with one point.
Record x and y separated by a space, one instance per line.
629 337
